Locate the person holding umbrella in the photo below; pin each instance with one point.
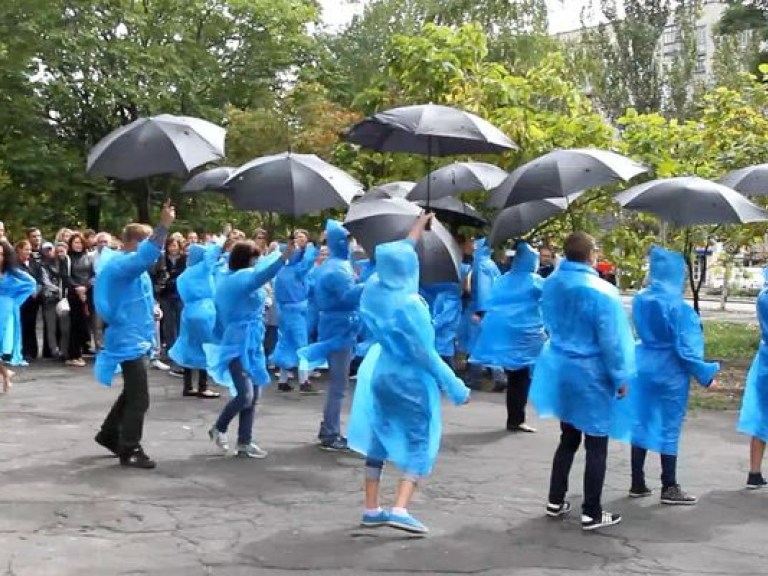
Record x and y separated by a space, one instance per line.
124 299
396 408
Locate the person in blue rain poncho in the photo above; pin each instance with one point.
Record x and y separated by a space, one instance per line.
482 275
582 375
670 352
337 296
291 293
236 360
124 300
753 418
196 289
364 269
15 287
312 311
512 332
396 408
444 299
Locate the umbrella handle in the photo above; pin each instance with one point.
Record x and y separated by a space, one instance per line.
428 226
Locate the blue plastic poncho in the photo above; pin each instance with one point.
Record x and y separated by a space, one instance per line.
312 311
483 274
364 269
670 351
512 331
196 288
240 299
124 300
590 354
15 287
291 294
753 418
444 299
396 409
337 296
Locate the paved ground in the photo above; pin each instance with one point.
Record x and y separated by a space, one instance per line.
738 311
66 509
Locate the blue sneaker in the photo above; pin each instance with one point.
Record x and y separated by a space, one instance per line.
381 518
407 523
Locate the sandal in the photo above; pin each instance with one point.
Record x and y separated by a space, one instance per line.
208 394
189 393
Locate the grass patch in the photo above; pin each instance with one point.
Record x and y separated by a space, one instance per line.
731 342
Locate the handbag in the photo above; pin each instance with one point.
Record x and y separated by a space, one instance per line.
62 308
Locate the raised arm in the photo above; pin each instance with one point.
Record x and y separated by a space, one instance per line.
136 263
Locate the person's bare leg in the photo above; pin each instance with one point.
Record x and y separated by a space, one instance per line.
372 493
6 376
405 490
756 453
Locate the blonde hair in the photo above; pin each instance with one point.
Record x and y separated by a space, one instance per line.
136 232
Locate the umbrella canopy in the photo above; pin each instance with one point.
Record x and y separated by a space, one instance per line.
562 173
516 221
164 144
454 212
429 129
456 178
386 220
292 184
209 180
750 181
389 190
690 201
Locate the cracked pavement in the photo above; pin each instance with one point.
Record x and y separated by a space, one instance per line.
66 508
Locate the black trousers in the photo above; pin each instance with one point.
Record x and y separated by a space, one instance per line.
518 385
594 471
125 420
28 315
668 468
202 380
79 330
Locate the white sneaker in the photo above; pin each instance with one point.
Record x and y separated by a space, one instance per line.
251 450
604 520
158 365
219 438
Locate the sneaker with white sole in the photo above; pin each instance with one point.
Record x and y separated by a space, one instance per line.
370 520
251 450
603 521
675 496
159 365
557 510
640 491
755 481
406 523
219 438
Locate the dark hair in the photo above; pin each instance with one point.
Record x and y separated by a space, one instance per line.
242 253
76 236
10 260
89 232
32 229
578 247
170 240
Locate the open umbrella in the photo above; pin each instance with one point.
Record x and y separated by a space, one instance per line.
750 181
456 178
691 201
375 222
292 184
518 220
164 144
389 190
562 173
454 212
209 180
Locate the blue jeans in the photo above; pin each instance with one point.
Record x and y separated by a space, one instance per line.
338 374
243 404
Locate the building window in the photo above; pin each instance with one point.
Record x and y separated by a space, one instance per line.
671 35
701 64
701 39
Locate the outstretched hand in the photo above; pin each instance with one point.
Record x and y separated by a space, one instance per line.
420 225
168 214
290 248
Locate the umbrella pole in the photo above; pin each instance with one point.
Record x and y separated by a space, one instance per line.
429 176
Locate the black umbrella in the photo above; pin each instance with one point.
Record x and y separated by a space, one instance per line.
750 181
431 130
518 220
389 190
209 180
455 213
562 173
376 222
691 201
456 178
292 184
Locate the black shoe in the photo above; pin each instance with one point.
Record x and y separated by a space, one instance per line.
755 481
675 496
499 387
136 458
110 443
335 445
308 389
641 491
557 510
284 388
604 520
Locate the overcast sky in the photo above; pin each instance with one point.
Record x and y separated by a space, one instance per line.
562 17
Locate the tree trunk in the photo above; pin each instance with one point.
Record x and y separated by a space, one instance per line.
92 210
726 277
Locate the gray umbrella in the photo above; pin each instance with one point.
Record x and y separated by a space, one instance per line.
455 213
164 144
691 201
292 184
209 180
562 173
386 220
456 178
516 221
750 181
389 190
